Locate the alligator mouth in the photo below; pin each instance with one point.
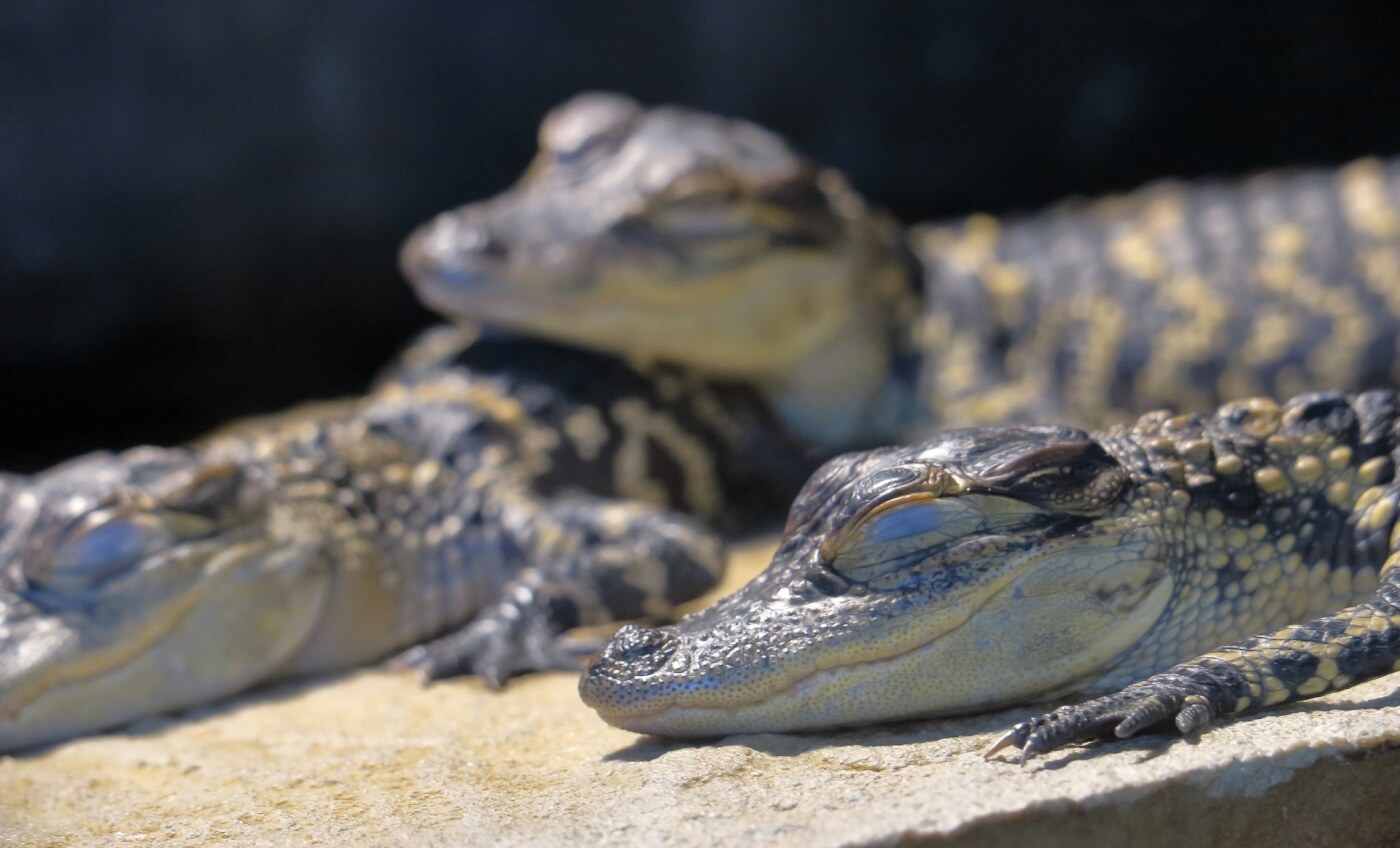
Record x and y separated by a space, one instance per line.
819 699
68 662
192 643
810 693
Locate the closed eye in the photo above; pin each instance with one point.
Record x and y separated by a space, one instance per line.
105 543
710 212
95 547
912 526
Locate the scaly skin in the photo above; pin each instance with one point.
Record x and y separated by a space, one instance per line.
993 566
477 504
667 234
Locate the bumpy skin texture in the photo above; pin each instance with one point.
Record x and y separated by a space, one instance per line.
477 504
998 565
675 235
1178 294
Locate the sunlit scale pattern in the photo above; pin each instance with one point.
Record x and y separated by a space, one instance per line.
1305 545
1314 544
1178 294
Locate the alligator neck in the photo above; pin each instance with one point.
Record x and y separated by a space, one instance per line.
829 398
859 388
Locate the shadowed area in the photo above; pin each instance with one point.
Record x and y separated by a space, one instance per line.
200 208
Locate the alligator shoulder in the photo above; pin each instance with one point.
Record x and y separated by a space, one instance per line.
481 501
674 235
1000 565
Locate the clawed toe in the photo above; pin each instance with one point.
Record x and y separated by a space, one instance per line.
493 653
1119 716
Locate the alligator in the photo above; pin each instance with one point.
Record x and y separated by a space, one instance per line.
480 502
748 312
993 566
673 235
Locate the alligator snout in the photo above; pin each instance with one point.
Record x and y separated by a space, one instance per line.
644 650
611 683
479 243
455 248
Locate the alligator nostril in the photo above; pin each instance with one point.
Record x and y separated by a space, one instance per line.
644 649
480 242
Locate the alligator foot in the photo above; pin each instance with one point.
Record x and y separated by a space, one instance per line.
496 648
1119 715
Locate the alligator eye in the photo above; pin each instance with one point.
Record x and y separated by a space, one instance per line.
899 528
911 525
703 203
571 127
210 492
95 547
1063 470
586 150
703 216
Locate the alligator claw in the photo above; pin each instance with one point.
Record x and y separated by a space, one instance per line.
1119 715
1013 738
494 650
406 661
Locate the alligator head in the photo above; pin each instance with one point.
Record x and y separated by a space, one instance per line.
140 582
982 568
673 235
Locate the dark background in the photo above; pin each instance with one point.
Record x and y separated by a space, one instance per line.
201 202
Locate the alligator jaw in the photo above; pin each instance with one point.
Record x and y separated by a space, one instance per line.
831 698
833 685
962 656
225 618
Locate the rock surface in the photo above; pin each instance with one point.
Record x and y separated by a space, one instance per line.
373 759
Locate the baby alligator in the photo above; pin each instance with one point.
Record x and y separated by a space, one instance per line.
1002 565
668 234
492 498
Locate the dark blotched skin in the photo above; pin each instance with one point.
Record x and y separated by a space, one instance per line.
994 566
499 495
667 234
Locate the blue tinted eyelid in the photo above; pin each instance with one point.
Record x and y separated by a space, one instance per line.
89 556
577 152
119 539
905 521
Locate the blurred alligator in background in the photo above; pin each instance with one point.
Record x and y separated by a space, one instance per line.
501 493
672 235
1001 565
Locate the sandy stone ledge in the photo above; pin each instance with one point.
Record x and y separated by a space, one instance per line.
373 759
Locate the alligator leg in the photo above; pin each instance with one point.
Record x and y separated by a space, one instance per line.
600 561
1300 661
